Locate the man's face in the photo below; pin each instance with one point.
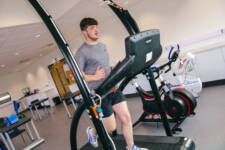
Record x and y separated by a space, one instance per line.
92 32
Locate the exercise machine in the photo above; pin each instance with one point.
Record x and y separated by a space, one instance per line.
178 102
142 50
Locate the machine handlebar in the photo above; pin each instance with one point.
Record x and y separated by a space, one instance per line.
173 55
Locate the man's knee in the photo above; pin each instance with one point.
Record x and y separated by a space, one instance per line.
122 112
112 128
125 117
110 123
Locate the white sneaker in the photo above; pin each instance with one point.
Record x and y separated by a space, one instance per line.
92 139
134 147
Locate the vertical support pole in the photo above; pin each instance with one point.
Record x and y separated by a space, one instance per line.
29 132
35 129
67 110
5 141
155 91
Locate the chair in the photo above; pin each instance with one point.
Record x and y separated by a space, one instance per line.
20 115
13 133
34 103
67 97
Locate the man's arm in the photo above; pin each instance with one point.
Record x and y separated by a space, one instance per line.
99 74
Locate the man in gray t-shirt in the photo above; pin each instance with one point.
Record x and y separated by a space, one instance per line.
93 59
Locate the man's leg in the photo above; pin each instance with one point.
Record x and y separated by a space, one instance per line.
109 120
123 114
109 124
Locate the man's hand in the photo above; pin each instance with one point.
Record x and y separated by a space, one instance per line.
99 74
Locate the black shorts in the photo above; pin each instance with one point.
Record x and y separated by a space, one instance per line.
109 101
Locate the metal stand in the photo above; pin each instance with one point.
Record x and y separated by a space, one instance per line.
5 142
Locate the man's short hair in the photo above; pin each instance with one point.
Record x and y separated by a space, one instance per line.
85 22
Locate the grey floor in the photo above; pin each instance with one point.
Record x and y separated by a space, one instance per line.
206 128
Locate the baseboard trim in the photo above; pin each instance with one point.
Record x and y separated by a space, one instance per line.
213 83
204 85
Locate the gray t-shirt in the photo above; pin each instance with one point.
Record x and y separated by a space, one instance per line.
89 57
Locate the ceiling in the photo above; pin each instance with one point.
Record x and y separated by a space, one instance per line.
24 38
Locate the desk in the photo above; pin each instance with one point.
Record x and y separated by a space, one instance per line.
26 102
21 122
28 99
72 97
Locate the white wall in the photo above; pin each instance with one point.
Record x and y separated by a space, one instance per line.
37 76
180 20
12 83
211 64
